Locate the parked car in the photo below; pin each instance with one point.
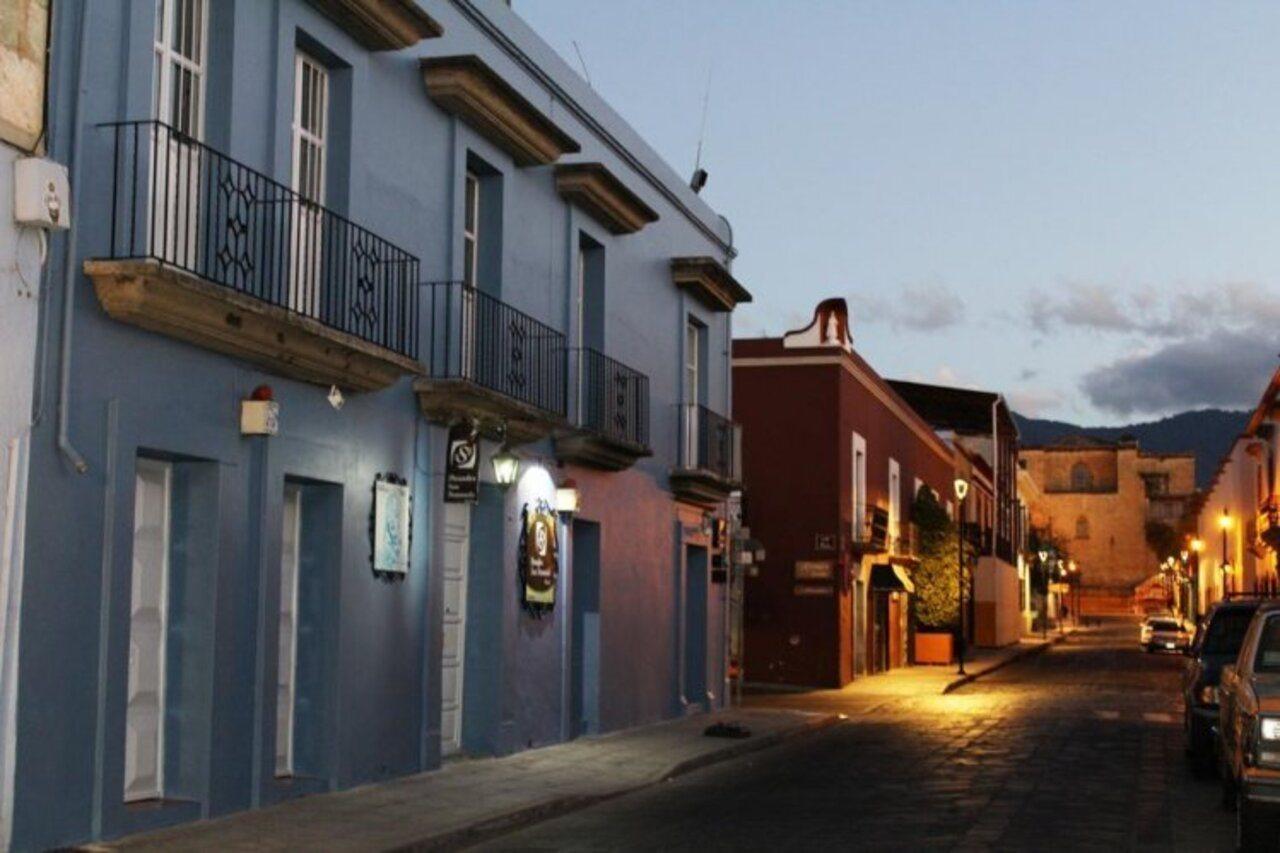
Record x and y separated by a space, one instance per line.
1216 644
1164 633
1249 733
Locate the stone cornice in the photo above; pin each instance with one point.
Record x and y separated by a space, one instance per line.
382 24
600 193
466 86
710 281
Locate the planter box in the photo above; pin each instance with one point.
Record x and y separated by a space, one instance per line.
935 647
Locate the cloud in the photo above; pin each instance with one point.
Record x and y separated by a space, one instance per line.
1034 402
917 307
1225 367
1084 305
1180 314
1027 374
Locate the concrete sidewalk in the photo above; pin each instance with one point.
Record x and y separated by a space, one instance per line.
909 682
468 800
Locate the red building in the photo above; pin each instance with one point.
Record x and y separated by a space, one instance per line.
832 461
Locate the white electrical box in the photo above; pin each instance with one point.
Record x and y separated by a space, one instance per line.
259 417
41 194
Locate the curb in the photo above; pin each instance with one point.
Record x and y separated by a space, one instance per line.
1022 654
457 839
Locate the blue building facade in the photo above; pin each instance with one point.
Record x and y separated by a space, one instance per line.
322 248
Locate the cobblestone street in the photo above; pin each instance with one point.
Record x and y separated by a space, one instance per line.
1078 748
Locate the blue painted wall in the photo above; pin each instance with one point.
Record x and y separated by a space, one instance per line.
396 164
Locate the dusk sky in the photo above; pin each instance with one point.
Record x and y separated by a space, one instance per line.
1077 204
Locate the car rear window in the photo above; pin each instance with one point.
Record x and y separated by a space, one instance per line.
1268 657
1226 631
1164 625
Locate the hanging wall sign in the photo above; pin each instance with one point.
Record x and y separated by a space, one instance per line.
390 525
462 467
539 563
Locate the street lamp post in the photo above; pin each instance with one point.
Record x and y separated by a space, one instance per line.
1197 545
1062 577
1044 594
1225 523
962 489
1075 588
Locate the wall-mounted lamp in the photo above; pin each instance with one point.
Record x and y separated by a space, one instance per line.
961 487
506 467
568 498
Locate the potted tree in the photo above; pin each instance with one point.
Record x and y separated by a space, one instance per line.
937 595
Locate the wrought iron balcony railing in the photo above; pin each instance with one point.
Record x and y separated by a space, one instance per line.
709 442
613 399
480 339
177 201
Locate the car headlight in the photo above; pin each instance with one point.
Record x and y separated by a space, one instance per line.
1208 695
1265 750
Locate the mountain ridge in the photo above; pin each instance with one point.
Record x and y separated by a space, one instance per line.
1207 433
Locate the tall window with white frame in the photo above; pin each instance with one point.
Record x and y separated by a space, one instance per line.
470 268
858 486
895 504
471 229
178 87
310 129
144 740
693 390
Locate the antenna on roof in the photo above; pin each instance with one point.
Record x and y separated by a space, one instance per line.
581 61
699 179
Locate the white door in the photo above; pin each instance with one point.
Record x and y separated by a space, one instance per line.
178 104
148 624
286 674
456 546
310 128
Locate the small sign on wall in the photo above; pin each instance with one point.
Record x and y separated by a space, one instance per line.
462 467
390 525
824 542
815 570
812 589
539 564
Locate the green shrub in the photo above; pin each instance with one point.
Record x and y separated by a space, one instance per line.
937 596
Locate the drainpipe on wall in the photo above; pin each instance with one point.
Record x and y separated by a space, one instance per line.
68 273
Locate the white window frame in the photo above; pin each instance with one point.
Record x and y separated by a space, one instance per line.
168 55
692 379
313 136
895 501
471 228
858 486
310 90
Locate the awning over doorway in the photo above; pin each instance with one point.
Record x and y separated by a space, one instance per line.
891 578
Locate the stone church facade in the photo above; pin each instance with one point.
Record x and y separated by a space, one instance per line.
1097 497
